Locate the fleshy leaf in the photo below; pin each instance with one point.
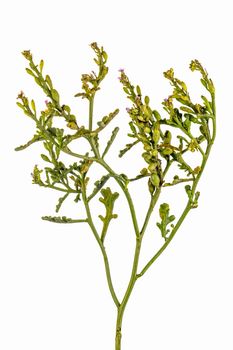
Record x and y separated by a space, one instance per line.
108 199
166 219
98 185
35 138
61 219
110 141
61 201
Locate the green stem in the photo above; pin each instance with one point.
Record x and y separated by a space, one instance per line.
159 252
102 248
134 275
91 106
128 292
125 191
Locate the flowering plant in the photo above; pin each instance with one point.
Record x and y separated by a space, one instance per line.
167 141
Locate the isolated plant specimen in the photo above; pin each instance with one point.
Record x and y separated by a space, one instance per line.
166 142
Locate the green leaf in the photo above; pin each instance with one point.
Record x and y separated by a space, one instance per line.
30 72
111 140
128 146
37 80
156 115
108 199
205 132
138 89
61 201
147 100
55 95
181 163
35 138
166 219
20 105
33 106
187 123
41 66
45 158
126 90
207 104
98 185
204 83
188 190
132 127
195 201
60 219
186 109
49 81
36 178
105 56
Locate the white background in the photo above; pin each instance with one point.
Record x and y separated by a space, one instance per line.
53 292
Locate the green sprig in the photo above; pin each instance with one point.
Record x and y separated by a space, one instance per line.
195 129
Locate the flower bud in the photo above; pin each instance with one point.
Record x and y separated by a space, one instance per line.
147 100
151 167
150 186
147 130
144 171
156 136
27 54
154 152
147 157
155 179
167 151
147 147
167 137
163 210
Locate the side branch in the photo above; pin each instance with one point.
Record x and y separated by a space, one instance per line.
126 193
164 246
102 248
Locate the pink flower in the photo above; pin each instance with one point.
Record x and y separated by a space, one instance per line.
121 70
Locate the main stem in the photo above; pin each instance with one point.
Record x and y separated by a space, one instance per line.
134 274
128 292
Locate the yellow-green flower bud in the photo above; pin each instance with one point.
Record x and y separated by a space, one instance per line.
167 137
72 125
151 167
156 136
147 130
147 157
144 171
27 54
147 111
155 179
163 210
147 100
167 151
154 152
150 186
147 147
141 118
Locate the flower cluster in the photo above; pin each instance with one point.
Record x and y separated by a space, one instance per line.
195 65
145 128
91 82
